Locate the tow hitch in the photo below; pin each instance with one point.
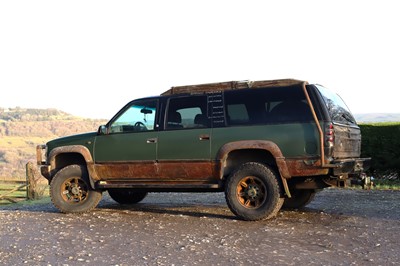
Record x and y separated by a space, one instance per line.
363 180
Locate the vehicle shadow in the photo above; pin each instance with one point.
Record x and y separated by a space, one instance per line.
346 203
189 210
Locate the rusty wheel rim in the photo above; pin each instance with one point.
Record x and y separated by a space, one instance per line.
74 190
251 192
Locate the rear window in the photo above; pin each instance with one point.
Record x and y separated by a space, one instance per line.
337 109
267 106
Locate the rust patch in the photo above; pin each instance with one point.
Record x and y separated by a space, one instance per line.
126 170
166 170
253 144
305 167
231 85
187 170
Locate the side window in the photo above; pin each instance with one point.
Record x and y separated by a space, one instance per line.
243 107
289 106
139 116
267 106
187 112
237 114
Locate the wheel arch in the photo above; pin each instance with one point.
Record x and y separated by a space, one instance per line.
235 153
61 157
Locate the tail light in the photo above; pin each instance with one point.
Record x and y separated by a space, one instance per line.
329 134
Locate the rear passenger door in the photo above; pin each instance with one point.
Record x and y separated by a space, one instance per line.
184 144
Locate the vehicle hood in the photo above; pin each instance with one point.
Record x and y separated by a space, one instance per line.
79 139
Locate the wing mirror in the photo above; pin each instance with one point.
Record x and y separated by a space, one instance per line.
102 130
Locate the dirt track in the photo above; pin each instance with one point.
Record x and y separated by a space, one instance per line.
340 227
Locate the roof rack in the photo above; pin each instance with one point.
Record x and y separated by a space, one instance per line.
231 85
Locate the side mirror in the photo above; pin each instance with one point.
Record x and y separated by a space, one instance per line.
102 130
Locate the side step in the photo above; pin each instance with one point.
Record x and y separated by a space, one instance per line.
156 185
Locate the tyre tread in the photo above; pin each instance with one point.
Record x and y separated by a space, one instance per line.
275 186
96 195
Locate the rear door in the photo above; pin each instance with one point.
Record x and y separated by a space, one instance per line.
184 144
347 134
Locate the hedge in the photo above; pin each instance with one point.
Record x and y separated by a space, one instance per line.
381 142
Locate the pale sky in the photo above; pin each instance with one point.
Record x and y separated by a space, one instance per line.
89 58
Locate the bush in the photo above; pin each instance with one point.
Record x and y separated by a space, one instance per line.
381 142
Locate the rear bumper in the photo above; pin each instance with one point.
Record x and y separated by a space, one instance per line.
350 166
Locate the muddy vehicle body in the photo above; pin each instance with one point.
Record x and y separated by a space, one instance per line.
266 144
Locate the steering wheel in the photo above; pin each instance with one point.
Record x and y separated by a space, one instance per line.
140 126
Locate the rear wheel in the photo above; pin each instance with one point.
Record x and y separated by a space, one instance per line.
70 190
299 199
126 195
253 192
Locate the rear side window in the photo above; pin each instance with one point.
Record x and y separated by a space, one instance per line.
337 109
187 112
267 106
238 113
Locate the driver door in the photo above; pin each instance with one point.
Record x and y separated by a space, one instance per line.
128 149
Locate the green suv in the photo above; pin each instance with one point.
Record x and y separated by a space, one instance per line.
266 144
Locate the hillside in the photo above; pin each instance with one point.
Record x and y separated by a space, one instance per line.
377 117
22 129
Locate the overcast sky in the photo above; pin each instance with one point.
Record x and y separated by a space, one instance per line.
89 58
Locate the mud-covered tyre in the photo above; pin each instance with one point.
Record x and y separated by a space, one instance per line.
253 192
70 190
126 195
299 199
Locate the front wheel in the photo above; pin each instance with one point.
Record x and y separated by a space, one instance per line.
70 190
253 192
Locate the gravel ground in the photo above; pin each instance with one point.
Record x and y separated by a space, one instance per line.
340 227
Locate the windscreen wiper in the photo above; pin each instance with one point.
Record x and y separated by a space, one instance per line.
348 118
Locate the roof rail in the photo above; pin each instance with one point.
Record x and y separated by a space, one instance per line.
230 85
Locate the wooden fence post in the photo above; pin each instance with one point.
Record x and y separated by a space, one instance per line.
35 189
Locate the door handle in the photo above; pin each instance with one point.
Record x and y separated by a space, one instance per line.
204 137
152 140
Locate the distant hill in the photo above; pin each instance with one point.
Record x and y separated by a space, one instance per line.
31 114
377 117
22 129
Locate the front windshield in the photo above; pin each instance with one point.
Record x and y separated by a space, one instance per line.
337 109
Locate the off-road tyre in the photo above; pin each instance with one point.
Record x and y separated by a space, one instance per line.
300 198
70 190
253 192
126 195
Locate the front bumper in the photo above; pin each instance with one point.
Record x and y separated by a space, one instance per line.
41 152
41 159
45 171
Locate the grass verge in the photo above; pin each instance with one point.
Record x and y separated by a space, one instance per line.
386 184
